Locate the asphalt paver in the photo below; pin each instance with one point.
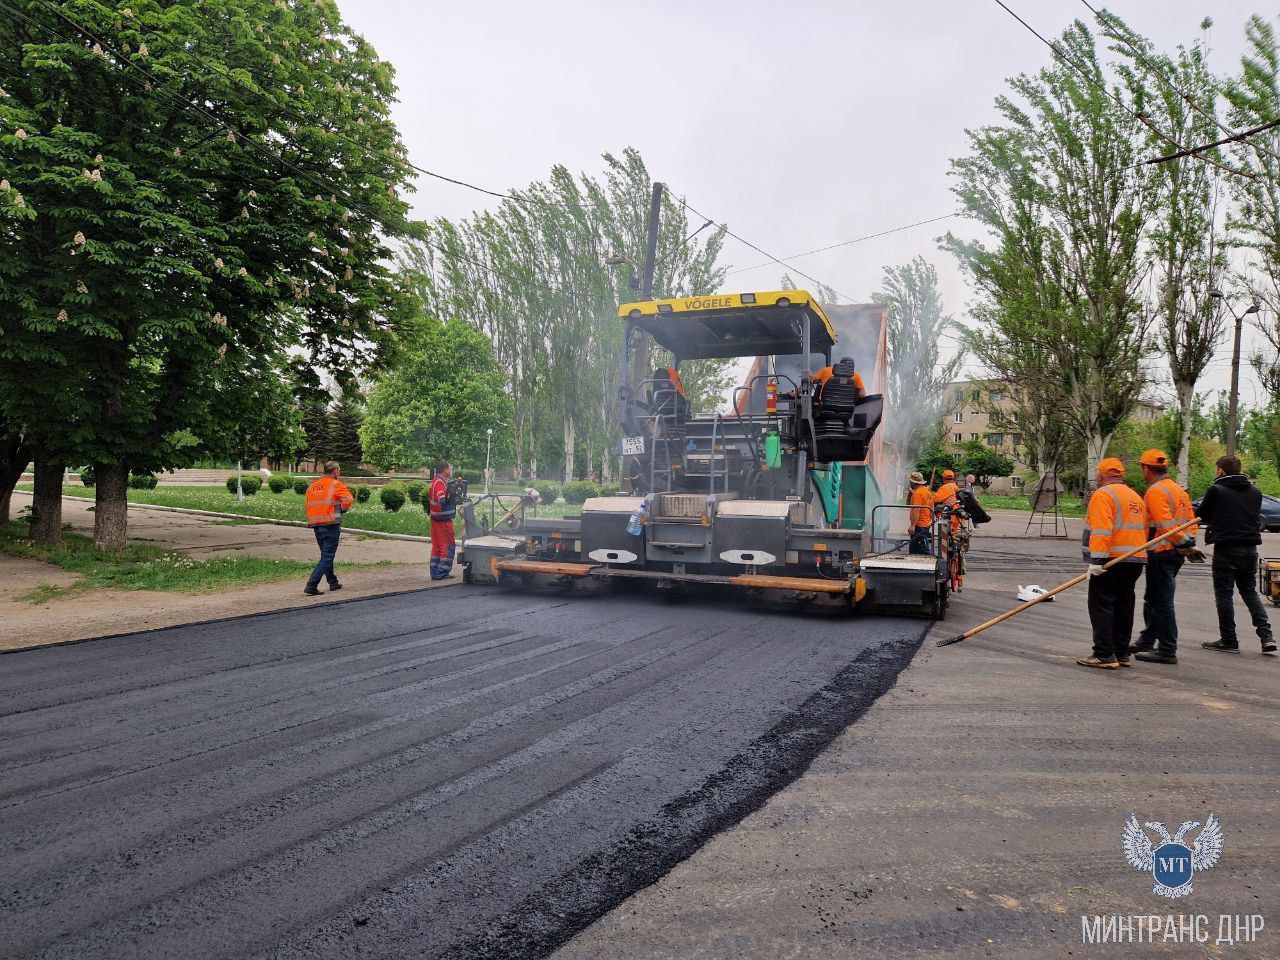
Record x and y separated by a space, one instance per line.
458 772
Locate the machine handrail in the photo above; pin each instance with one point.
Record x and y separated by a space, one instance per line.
933 523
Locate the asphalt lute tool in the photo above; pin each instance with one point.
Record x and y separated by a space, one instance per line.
1064 586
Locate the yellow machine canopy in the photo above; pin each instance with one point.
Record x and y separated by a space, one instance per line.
735 324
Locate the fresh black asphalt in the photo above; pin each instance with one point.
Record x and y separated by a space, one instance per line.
459 772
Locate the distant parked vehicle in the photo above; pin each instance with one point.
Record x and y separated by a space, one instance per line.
1268 518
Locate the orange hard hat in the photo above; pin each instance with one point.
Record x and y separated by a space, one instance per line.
1111 467
1154 458
948 474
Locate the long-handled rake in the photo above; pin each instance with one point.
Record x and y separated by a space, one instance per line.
1070 583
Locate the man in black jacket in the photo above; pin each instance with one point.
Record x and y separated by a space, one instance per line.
1231 509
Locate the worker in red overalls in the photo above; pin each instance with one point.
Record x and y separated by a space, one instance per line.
442 509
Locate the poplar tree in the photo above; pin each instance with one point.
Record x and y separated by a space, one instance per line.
918 380
1061 192
1254 99
533 276
1186 243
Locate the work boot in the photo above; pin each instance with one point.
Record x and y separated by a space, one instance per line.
1143 646
1097 663
1269 645
1220 645
1156 656
334 586
311 591
1124 661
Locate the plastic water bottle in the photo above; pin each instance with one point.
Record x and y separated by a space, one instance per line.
635 523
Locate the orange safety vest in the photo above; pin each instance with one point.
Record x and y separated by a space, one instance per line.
949 495
1116 522
674 377
326 499
1167 506
923 499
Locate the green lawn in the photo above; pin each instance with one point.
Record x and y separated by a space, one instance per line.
141 567
410 518
1071 506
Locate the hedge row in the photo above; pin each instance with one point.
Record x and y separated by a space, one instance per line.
576 491
137 481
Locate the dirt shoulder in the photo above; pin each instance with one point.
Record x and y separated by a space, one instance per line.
93 613
977 809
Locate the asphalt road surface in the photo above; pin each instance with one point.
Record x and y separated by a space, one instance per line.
445 773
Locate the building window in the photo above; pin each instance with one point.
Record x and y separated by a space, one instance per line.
977 395
959 416
995 439
997 396
959 438
1015 482
974 436
960 394
975 413
1015 439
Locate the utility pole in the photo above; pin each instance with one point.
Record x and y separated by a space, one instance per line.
1233 403
640 348
651 245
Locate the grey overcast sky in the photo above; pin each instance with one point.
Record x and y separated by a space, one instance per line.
802 124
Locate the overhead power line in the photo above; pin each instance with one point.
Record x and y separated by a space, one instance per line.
1102 15
1102 88
294 114
1242 135
153 86
764 253
846 243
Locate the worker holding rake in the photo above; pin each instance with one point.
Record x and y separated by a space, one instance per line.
1115 524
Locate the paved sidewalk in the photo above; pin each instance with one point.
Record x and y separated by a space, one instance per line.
95 613
977 809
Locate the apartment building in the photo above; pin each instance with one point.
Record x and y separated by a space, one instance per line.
979 410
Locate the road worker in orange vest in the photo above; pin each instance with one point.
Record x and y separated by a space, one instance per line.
327 500
921 514
948 495
1167 506
826 373
442 508
1116 522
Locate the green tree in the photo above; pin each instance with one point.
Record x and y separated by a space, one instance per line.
532 275
13 460
918 381
171 216
1186 245
1060 188
251 417
446 390
983 461
1262 434
1254 99
345 419
315 428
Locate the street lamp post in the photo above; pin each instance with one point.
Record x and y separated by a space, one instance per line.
1234 401
488 443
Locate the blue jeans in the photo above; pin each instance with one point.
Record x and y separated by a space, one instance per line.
921 541
327 536
1160 623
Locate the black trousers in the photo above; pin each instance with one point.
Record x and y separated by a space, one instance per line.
1111 602
1235 567
1160 621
